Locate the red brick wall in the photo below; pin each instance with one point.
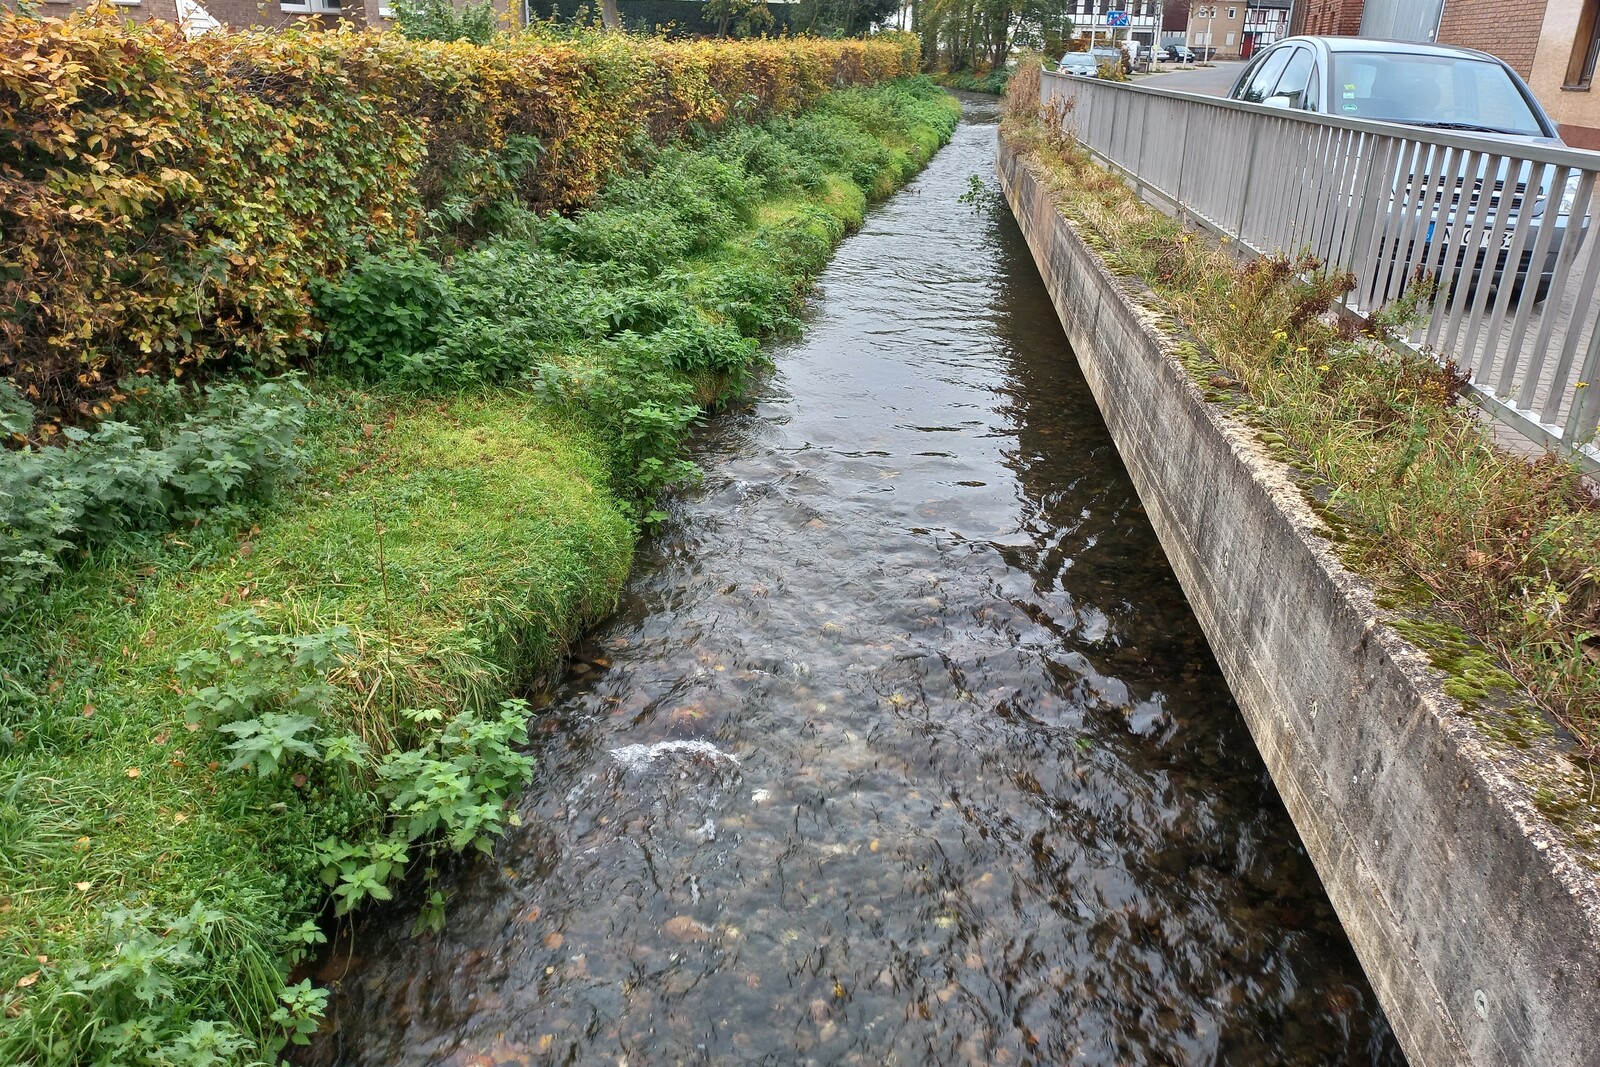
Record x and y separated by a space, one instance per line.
1340 18
1505 28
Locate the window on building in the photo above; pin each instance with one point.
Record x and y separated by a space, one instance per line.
1585 47
311 7
1233 12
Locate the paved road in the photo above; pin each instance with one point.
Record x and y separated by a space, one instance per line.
1213 80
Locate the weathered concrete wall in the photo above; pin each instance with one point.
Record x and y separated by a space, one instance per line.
1476 926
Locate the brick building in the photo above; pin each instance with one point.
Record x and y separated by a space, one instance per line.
1555 47
1237 30
1326 18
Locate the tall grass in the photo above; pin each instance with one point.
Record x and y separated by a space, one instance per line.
1446 525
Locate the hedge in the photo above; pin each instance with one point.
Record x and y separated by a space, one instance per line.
166 203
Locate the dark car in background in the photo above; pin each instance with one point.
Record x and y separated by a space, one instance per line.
1432 87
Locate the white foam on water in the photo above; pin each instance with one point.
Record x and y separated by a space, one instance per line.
633 757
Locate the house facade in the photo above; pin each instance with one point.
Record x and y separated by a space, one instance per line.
1239 30
1123 20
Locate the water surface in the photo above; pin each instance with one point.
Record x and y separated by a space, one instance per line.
903 748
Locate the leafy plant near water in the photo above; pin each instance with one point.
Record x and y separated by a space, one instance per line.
167 200
217 715
120 477
1432 512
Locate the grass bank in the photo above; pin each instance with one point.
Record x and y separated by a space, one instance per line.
259 700
992 82
1492 563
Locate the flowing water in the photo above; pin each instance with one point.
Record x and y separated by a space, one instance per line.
903 748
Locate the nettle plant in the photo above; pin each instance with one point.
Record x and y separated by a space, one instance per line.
159 960
271 692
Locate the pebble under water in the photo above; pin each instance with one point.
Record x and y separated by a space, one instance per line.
903 748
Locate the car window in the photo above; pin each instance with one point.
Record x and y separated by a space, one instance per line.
1422 89
1264 77
1296 77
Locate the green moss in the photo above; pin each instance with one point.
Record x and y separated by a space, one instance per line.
1476 679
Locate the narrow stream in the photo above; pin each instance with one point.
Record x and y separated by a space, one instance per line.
903 748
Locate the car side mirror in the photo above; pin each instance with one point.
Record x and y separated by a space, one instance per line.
1284 102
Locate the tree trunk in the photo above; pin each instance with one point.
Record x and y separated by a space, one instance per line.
609 16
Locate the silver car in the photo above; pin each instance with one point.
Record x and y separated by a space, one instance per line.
1433 87
1081 64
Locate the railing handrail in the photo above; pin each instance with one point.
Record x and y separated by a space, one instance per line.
1558 155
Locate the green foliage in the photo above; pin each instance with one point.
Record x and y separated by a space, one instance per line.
260 671
440 20
457 784
214 714
135 1005
122 478
388 306
168 202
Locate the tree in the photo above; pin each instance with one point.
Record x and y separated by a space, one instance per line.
745 18
966 34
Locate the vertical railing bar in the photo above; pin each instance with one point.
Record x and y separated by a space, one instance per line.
1395 217
1353 199
1408 238
1333 160
1564 272
1523 306
1501 303
1305 202
1436 244
1434 182
1583 297
1585 414
1373 213
1490 247
1460 239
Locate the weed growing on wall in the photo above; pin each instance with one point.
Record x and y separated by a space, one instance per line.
1427 507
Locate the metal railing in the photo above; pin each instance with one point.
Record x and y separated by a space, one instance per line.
1500 228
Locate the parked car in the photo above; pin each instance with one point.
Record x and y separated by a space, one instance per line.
1082 64
1108 53
1438 88
1177 53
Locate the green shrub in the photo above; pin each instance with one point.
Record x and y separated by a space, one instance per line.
440 20
120 477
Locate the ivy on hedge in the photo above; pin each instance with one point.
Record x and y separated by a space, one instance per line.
166 203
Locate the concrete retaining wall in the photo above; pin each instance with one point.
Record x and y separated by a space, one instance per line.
1476 925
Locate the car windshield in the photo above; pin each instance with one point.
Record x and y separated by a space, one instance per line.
1450 91
1077 57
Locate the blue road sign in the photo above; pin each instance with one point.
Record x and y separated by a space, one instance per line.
1116 18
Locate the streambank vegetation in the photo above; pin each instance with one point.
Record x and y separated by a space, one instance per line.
1490 562
265 636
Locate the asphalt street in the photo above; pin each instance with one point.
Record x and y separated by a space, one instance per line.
1213 80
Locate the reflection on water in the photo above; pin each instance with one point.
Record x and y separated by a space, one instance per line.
904 747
